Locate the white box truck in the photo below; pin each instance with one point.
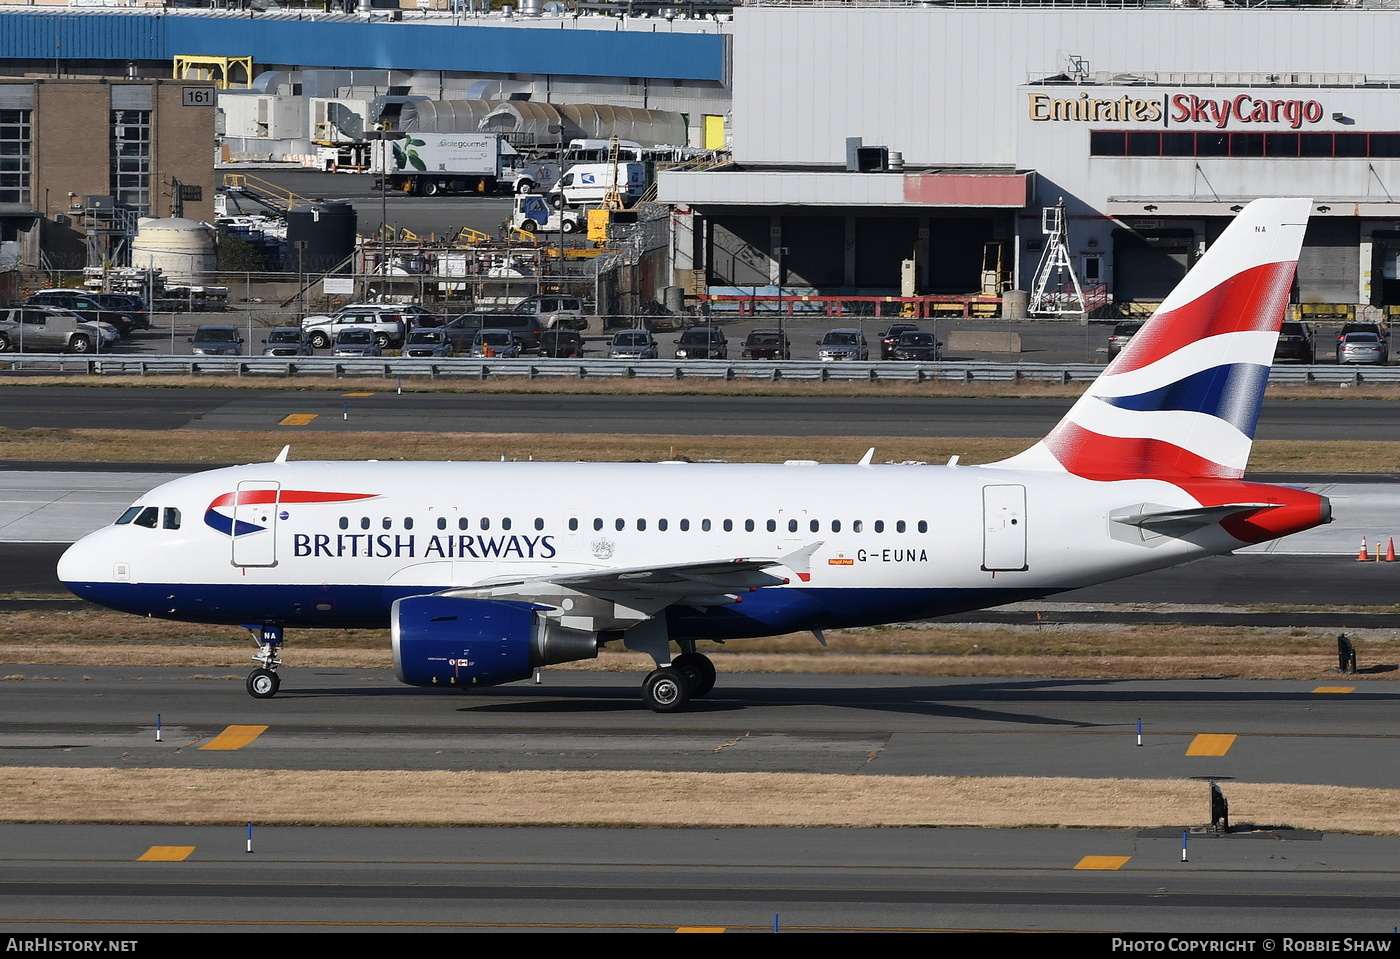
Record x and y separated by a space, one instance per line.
430 164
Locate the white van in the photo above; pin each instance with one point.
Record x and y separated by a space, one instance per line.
589 182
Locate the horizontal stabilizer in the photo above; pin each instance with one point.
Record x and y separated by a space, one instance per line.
1149 517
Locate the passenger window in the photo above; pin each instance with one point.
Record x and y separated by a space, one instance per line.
772 526
641 526
485 523
442 522
661 525
857 526
464 523
620 523
836 526
879 526
899 527
729 526
345 522
748 526
923 526
815 525
128 516
172 518
792 526
539 523
685 526
148 517
598 523
408 522
364 522
573 524
505 523
705 525
387 523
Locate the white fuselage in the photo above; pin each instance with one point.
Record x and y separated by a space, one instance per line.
334 544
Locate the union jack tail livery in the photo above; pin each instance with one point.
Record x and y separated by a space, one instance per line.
1182 398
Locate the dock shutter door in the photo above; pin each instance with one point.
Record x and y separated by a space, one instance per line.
1147 268
1329 264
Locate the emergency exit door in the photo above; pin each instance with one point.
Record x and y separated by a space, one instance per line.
1004 527
254 531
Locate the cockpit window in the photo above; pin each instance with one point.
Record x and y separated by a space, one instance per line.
148 517
172 518
128 516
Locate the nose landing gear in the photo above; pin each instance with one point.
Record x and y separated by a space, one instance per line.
263 682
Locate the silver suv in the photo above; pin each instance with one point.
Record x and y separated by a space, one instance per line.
388 322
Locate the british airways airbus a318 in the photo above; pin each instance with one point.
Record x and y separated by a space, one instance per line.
481 579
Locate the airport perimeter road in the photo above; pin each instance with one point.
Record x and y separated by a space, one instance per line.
91 881
350 409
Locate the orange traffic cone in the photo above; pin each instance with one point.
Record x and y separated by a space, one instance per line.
1362 556
1390 550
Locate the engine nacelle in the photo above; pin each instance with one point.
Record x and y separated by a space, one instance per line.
442 641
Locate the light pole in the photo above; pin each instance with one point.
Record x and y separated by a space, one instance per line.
382 137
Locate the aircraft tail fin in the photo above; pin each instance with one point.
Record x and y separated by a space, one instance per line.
1182 398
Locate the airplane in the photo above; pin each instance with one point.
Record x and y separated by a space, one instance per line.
482 578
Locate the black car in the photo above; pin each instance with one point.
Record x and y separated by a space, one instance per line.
702 343
561 343
1295 342
891 337
767 345
87 306
917 345
127 303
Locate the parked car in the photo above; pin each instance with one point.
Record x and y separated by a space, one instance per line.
427 343
420 317
217 340
287 341
87 306
702 343
767 345
1295 342
1361 348
386 321
527 327
843 344
917 345
633 345
891 337
561 343
503 344
1376 328
40 329
128 303
356 341
1122 333
461 330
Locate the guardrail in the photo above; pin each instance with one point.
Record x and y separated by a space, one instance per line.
392 367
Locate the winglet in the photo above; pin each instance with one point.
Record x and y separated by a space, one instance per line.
867 458
282 456
800 561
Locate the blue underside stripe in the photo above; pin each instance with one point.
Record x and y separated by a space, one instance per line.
763 613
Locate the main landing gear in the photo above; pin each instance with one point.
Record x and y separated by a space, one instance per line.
667 689
264 682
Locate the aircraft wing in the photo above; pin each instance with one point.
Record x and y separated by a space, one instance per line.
653 588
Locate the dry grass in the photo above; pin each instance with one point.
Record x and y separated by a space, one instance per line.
531 798
217 447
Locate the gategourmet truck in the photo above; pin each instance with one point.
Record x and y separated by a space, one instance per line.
430 164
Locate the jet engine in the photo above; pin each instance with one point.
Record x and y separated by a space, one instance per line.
446 641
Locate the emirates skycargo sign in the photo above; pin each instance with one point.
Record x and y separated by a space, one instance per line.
1177 109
